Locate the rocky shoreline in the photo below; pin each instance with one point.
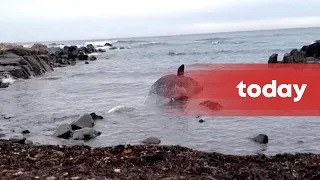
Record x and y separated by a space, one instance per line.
48 162
19 62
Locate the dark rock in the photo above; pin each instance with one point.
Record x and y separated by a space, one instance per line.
83 57
86 62
313 50
25 132
102 50
4 85
95 117
287 58
152 140
121 48
112 48
211 105
108 44
84 121
273 59
91 48
304 48
84 50
63 131
201 121
54 50
153 158
298 56
18 139
261 138
43 49
85 134
92 58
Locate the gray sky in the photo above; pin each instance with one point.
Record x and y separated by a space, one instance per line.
46 20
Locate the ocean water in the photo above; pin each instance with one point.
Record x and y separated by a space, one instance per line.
123 78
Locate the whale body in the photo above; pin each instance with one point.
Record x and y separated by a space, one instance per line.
176 86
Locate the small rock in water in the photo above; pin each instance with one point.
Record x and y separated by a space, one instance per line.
86 62
95 117
261 138
201 121
211 105
152 140
2 135
85 134
25 132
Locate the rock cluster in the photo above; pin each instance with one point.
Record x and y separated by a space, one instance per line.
24 63
307 54
81 129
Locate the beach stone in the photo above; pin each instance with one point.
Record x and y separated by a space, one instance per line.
84 50
63 131
92 58
152 140
85 120
28 142
17 139
261 138
273 59
86 62
95 117
85 134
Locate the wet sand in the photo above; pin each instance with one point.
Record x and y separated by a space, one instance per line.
21 161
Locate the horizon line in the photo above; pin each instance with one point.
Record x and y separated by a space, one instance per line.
187 34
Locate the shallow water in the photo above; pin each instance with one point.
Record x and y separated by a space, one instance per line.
123 77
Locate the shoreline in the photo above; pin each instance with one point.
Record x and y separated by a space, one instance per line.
21 161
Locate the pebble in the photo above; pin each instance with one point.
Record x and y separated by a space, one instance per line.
152 140
117 170
51 178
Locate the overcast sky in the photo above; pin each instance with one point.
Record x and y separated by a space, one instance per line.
46 20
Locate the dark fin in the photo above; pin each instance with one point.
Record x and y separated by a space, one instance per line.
180 70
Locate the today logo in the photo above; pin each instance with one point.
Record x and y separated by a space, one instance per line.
283 90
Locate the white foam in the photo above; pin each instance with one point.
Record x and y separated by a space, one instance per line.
7 79
121 108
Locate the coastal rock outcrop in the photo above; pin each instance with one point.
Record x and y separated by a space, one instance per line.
307 54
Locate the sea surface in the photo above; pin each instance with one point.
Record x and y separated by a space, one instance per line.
122 77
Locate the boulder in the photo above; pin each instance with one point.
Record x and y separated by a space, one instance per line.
4 85
151 140
91 48
261 138
84 50
25 132
313 50
83 57
92 58
112 48
85 120
43 49
273 59
85 134
298 56
63 131
101 50
287 58
86 62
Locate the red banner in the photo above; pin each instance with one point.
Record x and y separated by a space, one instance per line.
256 90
